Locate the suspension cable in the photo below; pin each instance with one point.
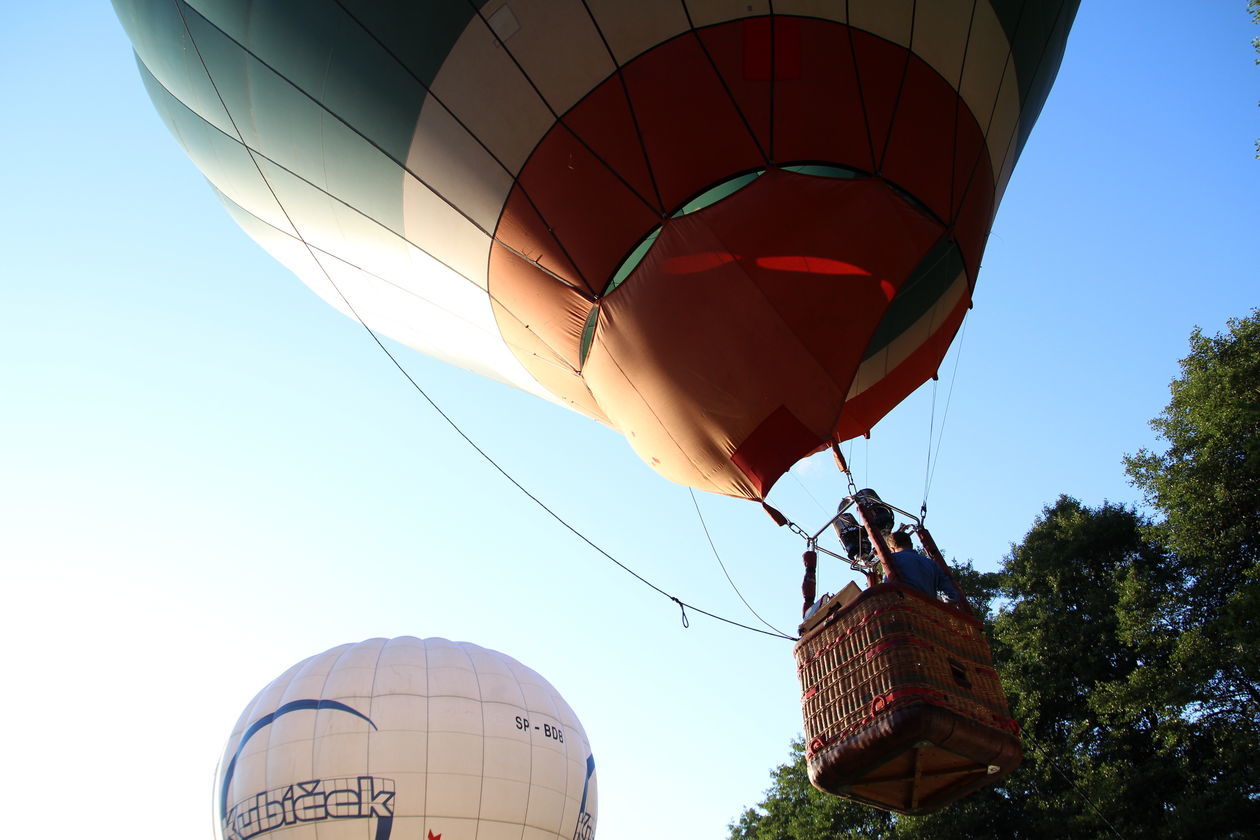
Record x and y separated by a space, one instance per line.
927 462
949 397
683 605
805 489
718 557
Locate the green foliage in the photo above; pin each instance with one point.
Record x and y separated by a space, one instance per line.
797 810
981 588
1075 671
1207 483
1253 8
1128 647
1206 486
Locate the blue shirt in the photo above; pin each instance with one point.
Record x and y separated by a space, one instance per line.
923 574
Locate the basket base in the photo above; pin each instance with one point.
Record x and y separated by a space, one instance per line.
916 760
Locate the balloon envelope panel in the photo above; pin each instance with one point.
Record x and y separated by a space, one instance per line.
616 206
407 738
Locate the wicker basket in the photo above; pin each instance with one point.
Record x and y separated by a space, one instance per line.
902 707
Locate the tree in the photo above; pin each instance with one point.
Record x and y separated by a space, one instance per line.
1058 643
1087 691
1207 482
794 810
1206 487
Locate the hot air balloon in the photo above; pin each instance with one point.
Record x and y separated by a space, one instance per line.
407 738
734 231
737 232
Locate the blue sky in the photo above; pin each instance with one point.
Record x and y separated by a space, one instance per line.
207 475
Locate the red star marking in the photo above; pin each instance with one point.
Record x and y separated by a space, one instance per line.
433 836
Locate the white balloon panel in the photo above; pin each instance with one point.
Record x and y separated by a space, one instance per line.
407 739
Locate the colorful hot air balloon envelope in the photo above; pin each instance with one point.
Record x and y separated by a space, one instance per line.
733 234
407 738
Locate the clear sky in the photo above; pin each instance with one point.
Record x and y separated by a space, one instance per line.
206 474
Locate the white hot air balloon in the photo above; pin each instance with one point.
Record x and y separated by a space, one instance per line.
407 739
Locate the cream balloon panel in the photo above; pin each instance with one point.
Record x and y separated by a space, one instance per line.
394 285
481 86
457 327
415 303
359 181
348 166
990 87
708 12
463 172
407 294
561 53
411 739
356 236
633 28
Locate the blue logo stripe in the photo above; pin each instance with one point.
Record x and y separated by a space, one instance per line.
267 720
590 771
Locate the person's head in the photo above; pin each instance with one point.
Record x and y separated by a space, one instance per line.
900 540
